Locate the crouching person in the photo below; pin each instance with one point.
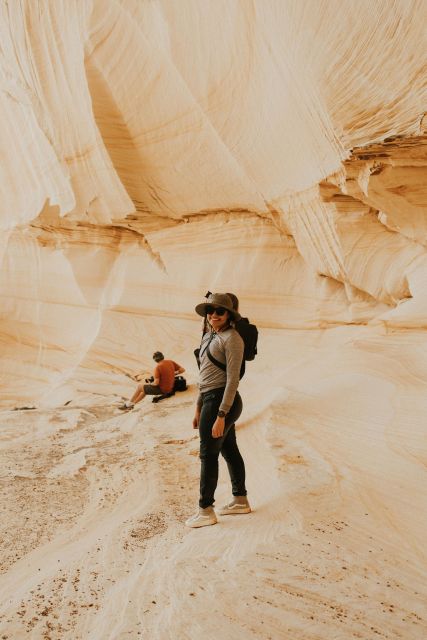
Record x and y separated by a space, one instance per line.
162 382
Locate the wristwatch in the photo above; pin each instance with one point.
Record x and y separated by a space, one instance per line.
221 414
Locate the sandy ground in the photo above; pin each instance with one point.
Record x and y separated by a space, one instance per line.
93 503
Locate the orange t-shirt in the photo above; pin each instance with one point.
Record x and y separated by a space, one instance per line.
165 371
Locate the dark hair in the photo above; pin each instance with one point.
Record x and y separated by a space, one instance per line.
158 356
234 300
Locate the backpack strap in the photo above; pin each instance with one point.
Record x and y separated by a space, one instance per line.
206 349
222 366
214 361
219 364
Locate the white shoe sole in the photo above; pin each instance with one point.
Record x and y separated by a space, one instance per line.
197 522
234 512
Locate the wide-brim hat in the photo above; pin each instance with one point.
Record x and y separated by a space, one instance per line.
219 300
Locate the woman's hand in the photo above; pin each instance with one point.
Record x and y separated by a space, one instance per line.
196 418
218 428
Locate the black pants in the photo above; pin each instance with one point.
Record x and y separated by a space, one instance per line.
210 448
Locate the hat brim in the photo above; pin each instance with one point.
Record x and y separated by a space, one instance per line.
201 310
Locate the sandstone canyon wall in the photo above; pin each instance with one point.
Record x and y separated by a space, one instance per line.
154 149
134 131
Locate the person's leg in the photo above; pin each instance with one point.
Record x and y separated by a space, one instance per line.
129 404
230 450
236 466
209 449
209 453
141 391
138 395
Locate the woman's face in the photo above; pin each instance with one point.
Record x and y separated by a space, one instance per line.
218 320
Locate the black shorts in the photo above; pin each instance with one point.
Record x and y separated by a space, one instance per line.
152 390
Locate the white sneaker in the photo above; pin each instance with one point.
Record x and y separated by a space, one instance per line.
203 518
238 505
126 406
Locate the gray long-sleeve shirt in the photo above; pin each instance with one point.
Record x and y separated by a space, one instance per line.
226 347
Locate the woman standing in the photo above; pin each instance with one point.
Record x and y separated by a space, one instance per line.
218 407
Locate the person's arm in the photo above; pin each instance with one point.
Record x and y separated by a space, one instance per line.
178 369
233 354
234 348
156 376
197 412
218 427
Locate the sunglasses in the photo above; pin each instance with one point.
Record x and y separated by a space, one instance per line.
218 310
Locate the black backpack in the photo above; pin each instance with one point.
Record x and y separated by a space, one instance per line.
249 334
180 384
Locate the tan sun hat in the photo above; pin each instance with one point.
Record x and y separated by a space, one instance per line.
218 300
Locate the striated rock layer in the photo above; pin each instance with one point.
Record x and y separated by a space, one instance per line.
151 150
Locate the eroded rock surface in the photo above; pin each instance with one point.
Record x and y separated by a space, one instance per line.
151 150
